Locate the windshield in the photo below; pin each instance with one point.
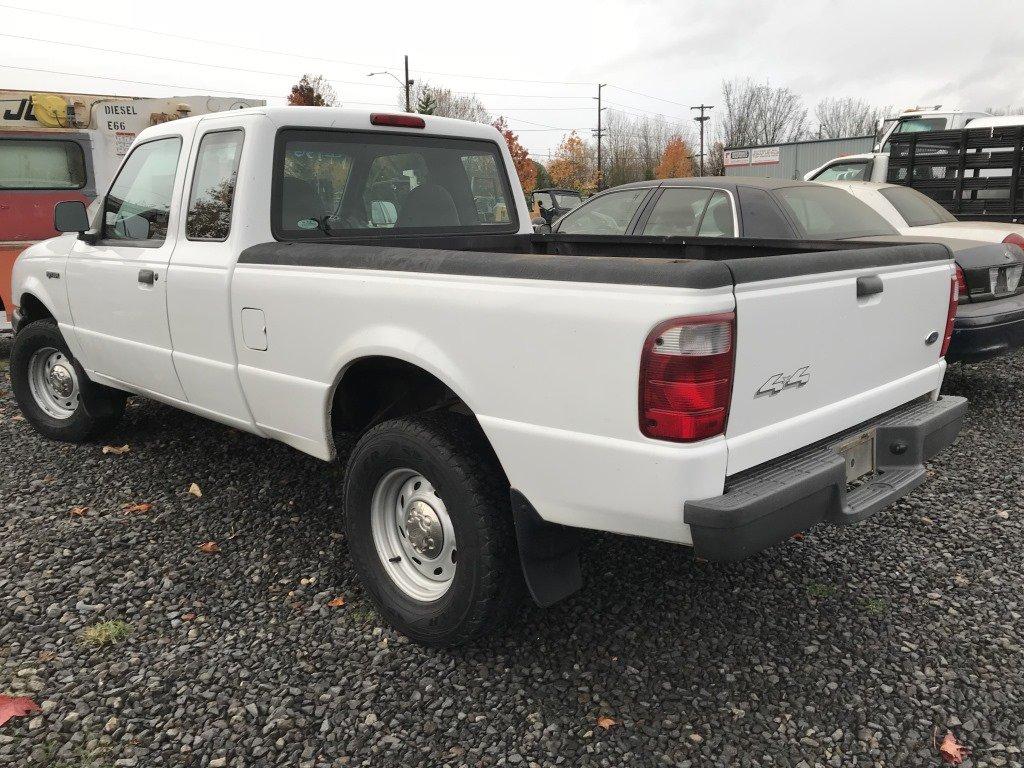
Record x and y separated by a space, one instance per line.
916 209
918 124
567 200
826 213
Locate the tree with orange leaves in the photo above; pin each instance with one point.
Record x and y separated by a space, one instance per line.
520 156
573 166
676 160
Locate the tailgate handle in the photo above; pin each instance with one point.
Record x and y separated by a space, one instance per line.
869 286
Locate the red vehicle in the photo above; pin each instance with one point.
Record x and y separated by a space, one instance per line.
37 170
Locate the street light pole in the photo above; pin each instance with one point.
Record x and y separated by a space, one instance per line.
600 175
406 83
408 106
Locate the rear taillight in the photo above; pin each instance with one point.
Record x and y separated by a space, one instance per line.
686 378
1014 239
961 281
954 296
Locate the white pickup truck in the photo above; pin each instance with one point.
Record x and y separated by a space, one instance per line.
323 276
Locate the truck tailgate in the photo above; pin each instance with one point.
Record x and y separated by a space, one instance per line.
819 350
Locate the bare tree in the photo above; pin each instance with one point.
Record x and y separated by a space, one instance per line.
634 145
1005 110
446 103
752 113
842 117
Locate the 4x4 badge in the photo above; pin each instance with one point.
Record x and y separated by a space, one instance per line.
781 381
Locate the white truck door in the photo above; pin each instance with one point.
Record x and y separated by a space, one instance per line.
117 286
199 285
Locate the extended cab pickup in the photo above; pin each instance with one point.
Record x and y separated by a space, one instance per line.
368 285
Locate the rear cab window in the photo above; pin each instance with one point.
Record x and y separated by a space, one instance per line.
331 183
825 213
41 164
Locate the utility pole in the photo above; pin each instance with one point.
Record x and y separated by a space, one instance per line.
701 120
408 82
600 168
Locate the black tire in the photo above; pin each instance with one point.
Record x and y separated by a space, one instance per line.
99 408
488 583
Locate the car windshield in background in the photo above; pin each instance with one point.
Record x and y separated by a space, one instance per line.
917 210
608 214
338 183
41 164
567 200
831 214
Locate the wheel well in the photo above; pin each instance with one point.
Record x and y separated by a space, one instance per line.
33 309
375 389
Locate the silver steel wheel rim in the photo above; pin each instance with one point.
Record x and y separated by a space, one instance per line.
53 383
413 534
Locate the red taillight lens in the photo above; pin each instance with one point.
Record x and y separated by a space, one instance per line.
961 281
954 296
686 378
1014 239
397 121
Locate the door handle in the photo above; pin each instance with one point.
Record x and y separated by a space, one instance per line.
147 276
869 286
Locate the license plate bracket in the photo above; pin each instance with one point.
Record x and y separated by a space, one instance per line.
858 451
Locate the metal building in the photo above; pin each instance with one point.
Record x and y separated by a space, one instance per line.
793 159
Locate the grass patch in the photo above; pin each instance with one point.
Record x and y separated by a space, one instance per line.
876 606
821 590
106 633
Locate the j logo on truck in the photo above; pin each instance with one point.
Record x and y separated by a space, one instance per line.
781 381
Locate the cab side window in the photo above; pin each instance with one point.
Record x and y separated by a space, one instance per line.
213 186
677 212
138 206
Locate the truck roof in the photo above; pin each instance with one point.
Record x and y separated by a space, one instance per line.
339 117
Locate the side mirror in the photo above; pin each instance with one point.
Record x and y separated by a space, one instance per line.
540 225
70 216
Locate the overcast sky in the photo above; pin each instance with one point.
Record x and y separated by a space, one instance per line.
671 54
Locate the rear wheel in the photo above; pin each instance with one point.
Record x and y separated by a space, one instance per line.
430 529
53 391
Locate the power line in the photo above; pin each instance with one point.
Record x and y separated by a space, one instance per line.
231 91
649 96
178 61
207 41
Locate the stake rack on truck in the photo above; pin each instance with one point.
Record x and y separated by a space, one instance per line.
326 277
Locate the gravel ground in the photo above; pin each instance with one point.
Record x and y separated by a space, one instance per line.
857 646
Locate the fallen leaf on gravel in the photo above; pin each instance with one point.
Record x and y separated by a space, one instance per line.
78 511
16 706
797 537
605 722
927 520
1002 513
188 616
195 490
47 655
209 547
951 751
337 602
17 417
142 506
116 450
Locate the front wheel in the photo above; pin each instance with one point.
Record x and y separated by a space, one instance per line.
430 529
53 391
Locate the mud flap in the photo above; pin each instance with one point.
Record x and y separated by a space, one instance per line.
549 553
